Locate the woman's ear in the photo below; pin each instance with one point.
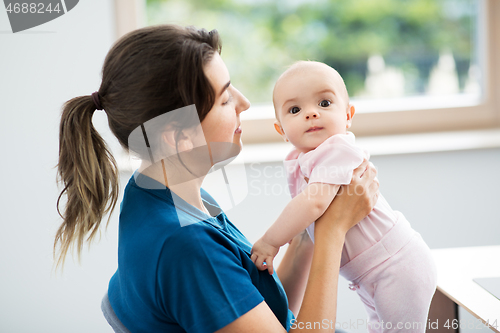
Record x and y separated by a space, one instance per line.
279 129
176 141
185 144
350 115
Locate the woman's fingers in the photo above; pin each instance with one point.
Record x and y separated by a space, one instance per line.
370 172
371 181
370 185
360 170
374 186
355 200
359 197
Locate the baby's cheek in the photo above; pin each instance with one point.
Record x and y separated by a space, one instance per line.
293 136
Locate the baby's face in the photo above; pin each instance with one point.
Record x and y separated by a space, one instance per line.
311 104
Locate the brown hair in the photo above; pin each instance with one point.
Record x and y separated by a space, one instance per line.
147 72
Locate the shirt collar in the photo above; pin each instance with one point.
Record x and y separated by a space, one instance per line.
186 213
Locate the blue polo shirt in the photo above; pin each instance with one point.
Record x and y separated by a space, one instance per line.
180 270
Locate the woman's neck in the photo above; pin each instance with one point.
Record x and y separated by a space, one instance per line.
178 181
189 191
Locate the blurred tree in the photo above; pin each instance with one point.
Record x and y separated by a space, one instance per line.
262 37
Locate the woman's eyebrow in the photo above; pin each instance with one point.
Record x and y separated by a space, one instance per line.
225 87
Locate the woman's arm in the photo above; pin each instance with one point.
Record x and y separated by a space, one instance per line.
293 270
294 267
349 207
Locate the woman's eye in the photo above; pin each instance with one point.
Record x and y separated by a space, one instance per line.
294 110
325 103
229 98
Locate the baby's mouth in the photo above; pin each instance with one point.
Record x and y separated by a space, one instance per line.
314 129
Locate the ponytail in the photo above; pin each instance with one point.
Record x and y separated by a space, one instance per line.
148 72
89 175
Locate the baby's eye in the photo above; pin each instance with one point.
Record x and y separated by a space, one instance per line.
325 103
294 110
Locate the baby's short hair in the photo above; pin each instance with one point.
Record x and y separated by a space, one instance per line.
302 65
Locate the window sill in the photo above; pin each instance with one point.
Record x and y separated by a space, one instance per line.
391 117
389 145
376 146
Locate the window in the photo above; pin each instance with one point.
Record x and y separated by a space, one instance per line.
410 66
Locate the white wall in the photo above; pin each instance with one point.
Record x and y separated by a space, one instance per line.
39 70
451 198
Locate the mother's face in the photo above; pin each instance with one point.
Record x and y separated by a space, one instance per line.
221 126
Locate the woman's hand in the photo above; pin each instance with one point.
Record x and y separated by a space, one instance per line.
354 201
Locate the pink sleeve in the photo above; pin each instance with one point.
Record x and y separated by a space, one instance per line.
294 178
332 162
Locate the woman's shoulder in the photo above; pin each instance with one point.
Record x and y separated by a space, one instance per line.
199 242
164 222
204 279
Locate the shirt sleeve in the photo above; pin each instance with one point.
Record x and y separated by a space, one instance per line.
332 163
203 284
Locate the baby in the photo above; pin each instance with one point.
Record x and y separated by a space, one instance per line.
386 261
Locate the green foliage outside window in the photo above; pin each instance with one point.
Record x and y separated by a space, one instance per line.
263 37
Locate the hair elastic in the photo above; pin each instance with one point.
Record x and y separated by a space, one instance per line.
95 98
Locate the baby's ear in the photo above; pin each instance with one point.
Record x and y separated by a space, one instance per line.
279 129
350 115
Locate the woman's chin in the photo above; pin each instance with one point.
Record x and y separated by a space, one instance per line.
222 151
238 142
237 139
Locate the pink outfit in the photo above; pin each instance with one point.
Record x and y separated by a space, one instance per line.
382 250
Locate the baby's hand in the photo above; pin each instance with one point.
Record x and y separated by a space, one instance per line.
264 252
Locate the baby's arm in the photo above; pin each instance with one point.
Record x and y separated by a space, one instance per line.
300 212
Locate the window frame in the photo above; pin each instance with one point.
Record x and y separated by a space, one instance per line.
485 114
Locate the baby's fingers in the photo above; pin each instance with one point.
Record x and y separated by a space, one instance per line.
254 257
269 262
259 262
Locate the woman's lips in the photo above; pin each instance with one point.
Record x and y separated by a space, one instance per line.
238 130
314 129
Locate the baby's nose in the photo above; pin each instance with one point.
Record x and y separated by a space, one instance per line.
310 115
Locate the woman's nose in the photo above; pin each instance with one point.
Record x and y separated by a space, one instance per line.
242 103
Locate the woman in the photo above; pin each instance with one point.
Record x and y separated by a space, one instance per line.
182 266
